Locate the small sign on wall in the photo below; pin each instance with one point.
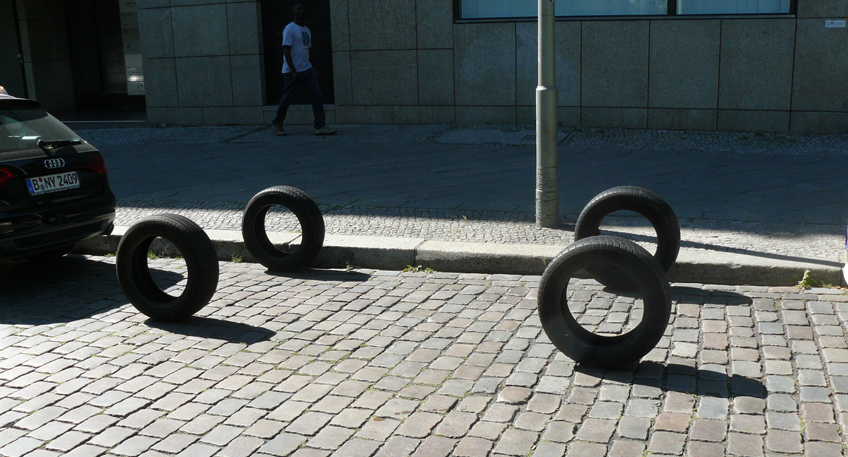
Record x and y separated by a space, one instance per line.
834 24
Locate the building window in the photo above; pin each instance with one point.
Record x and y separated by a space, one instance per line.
734 6
511 9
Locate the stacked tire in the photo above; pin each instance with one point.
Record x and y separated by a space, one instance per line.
620 265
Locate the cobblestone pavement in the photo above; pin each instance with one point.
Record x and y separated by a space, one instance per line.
386 363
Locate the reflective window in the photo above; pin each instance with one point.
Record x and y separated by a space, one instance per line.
506 9
733 6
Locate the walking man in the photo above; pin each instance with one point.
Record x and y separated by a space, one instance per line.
297 70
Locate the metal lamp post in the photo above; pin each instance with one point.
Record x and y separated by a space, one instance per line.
547 134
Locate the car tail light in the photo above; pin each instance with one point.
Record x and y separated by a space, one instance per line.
5 176
97 164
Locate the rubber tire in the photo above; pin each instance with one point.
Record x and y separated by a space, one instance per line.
585 347
311 223
639 200
134 274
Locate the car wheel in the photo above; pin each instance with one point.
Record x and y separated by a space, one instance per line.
138 284
256 238
584 346
639 200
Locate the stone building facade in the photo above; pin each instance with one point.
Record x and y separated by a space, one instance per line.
417 61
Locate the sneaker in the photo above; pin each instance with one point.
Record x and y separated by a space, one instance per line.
278 130
325 131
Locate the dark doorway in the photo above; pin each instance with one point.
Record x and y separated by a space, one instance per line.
97 56
11 64
276 14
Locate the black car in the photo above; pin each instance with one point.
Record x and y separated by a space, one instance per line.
53 186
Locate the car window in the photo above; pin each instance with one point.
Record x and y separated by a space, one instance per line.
21 128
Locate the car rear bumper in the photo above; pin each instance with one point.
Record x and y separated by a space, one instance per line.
46 228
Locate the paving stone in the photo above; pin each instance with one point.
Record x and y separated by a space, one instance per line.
583 449
596 430
514 395
434 446
708 430
516 442
823 449
667 443
744 445
634 427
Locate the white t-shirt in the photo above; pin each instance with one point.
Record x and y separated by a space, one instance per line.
300 40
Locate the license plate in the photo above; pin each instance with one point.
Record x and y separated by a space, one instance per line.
53 183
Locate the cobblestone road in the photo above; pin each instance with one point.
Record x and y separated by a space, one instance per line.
380 363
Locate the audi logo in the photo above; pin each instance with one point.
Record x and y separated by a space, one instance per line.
54 163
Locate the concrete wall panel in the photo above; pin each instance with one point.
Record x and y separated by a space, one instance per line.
684 64
247 77
341 78
756 64
435 77
382 24
483 64
423 114
629 118
822 8
232 115
615 64
682 119
821 67
486 115
807 122
753 121
157 36
339 25
175 116
384 77
567 62
434 24
364 115
204 81
160 80
144 4
243 28
200 31
567 116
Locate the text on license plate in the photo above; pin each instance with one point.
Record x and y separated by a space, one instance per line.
53 183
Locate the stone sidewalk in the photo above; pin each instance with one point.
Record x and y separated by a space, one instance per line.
385 363
769 203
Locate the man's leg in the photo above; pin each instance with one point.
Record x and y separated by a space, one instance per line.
285 101
310 79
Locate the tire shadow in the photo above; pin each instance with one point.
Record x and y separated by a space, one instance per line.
673 377
695 296
322 275
217 329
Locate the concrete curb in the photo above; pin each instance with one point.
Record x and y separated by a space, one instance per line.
383 253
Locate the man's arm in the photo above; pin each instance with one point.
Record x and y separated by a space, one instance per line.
290 62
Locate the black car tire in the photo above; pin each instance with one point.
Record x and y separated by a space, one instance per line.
629 260
134 274
308 215
639 200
